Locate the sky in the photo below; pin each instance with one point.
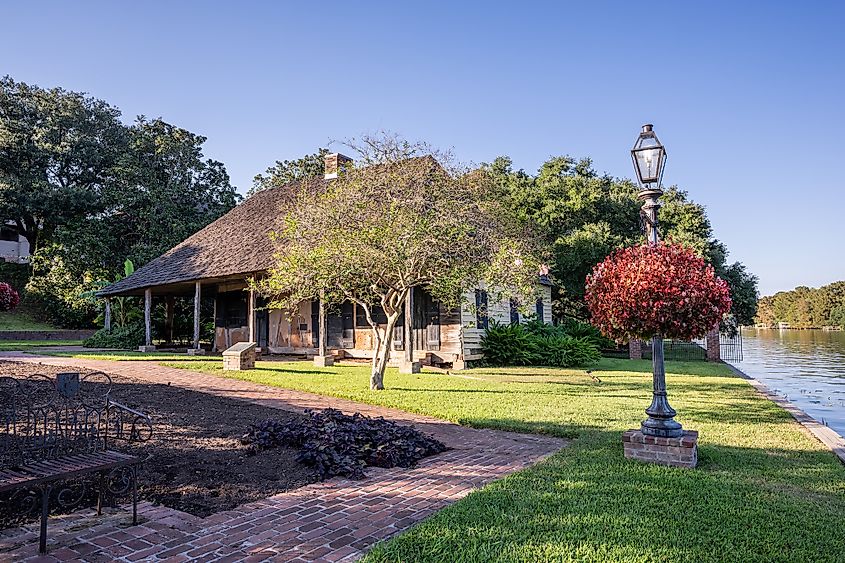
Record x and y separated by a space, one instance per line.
746 96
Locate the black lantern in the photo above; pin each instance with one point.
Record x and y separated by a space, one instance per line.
649 158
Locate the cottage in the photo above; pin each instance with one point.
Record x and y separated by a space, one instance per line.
219 260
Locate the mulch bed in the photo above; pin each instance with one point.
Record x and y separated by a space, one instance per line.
197 464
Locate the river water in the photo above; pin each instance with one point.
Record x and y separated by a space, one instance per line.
805 366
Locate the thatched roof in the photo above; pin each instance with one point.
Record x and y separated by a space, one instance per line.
238 243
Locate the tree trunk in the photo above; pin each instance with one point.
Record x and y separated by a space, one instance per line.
382 355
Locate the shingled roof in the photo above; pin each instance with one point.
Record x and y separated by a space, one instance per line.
236 243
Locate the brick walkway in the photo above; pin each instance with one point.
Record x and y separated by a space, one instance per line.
337 520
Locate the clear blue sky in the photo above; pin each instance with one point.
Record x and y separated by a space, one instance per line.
747 96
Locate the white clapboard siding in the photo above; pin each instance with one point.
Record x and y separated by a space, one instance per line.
499 311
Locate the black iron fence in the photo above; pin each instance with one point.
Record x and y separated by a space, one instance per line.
680 350
730 347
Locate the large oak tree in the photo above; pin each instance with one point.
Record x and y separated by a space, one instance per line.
57 152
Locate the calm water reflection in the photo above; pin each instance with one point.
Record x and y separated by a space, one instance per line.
806 366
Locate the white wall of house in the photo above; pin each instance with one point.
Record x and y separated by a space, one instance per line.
499 311
13 247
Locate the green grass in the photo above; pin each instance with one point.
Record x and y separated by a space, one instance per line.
28 345
21 321
764 489
128 355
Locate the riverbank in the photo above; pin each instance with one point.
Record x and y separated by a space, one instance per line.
825 434
804 367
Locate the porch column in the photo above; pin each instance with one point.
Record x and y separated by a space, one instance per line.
250 314
168 318
148 313
408 364
322 359
197 300
107 315
214 334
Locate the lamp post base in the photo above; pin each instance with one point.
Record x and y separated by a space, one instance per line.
661 418
680 451
661 427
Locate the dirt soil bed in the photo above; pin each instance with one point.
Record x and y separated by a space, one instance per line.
197 463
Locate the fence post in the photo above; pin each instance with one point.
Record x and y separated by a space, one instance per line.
635 349
714 348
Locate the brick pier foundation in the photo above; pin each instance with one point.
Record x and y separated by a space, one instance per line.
677 452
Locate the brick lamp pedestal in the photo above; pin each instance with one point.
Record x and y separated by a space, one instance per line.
677 452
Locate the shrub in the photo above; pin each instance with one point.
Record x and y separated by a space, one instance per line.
55 294
9 298
16 275
567 351
508 345
536 343
570 327
338 444
663 289
578 329
127 337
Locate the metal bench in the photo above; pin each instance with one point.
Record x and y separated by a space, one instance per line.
54 432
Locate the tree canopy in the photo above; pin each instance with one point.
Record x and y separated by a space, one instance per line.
89 192
58 150
585 216
399 219
284 172
805 307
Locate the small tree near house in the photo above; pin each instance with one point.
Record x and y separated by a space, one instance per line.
400 218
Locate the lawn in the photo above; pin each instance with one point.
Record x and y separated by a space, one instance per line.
20 321
765 490
27 345
127 355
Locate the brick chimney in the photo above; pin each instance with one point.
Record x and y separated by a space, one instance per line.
334 163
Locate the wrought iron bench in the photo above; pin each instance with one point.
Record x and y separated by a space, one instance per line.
54 432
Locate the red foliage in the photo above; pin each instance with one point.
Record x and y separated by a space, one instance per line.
643 291
9 298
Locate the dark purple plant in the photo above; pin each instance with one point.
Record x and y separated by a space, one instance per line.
338 444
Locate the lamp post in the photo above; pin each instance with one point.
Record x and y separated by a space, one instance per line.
649 157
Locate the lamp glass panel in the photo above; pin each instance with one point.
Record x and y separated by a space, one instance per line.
648 164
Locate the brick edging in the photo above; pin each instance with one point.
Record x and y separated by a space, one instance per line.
822 433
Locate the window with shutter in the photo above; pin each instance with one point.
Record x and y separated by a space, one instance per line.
514 312
540 310
481 318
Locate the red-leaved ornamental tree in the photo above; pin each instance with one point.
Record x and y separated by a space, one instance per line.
9 298
656 290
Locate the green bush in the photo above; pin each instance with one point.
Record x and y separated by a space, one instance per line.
578 329
16 275
535 343
126 337
570 327
508 345
55 294
567 351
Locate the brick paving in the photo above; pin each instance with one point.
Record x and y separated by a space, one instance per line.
337 520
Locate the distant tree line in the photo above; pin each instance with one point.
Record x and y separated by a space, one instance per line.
805 307
89 192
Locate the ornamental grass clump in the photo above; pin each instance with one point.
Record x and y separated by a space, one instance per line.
656 290
338 444
9 298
